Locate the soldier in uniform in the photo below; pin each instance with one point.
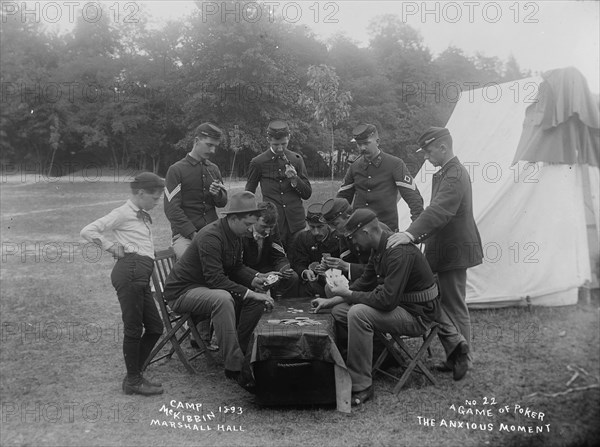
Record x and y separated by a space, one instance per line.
211 280
396 293
352 260
375 178
452 241
310 246
283 181
264 252
194 187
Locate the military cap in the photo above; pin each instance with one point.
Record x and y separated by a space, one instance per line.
332 208
362 132
358 220
430 135
147 181
209 130
313 213
278 129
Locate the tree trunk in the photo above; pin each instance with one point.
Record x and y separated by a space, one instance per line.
331 158
52 161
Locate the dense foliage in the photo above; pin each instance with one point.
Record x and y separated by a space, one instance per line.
125 95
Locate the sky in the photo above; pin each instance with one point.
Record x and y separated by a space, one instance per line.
541 35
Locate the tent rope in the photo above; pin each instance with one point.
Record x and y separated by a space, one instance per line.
577 372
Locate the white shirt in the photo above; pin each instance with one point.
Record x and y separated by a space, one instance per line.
127 229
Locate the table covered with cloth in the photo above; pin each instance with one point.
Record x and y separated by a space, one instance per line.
293 352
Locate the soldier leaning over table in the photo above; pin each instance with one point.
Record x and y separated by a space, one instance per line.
264 252
211 280
396 294
309 247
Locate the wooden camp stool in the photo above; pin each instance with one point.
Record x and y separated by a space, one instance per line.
394 341
178 327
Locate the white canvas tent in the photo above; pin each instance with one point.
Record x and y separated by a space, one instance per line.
538 221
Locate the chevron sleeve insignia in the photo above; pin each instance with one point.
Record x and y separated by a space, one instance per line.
170 195
278 248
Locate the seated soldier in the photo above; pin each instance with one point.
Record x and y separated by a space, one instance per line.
211 280
352 260
396 293
263 251
310 247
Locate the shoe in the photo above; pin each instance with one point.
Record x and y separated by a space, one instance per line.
460 360
140 387
233 375
360 397
443 367
151 383
209 345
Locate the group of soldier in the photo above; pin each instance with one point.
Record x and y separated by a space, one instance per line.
225 265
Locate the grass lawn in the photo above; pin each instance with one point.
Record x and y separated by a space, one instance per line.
61 363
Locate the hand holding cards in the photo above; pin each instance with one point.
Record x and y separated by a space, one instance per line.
334 277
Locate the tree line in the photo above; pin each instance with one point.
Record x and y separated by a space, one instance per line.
127 95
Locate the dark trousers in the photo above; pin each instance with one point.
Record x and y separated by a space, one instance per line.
455 322
234 321
142 326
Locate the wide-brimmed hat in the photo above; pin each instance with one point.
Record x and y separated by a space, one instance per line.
242 202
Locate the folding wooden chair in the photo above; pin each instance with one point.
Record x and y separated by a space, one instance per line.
178 326
416 360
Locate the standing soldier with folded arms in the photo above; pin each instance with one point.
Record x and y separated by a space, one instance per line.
283 181
194 187
374 180
133 248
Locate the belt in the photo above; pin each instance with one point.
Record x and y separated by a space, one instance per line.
421 297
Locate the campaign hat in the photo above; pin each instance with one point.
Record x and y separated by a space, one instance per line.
242 202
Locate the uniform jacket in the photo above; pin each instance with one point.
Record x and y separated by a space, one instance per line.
375 185
358 259
306 249
273 256
268 170
188 203
447 225
389 274
213 260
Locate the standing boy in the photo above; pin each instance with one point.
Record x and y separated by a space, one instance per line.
133 248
